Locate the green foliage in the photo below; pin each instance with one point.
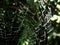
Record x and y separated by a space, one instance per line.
33 22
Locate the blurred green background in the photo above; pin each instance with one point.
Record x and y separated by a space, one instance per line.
29 22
